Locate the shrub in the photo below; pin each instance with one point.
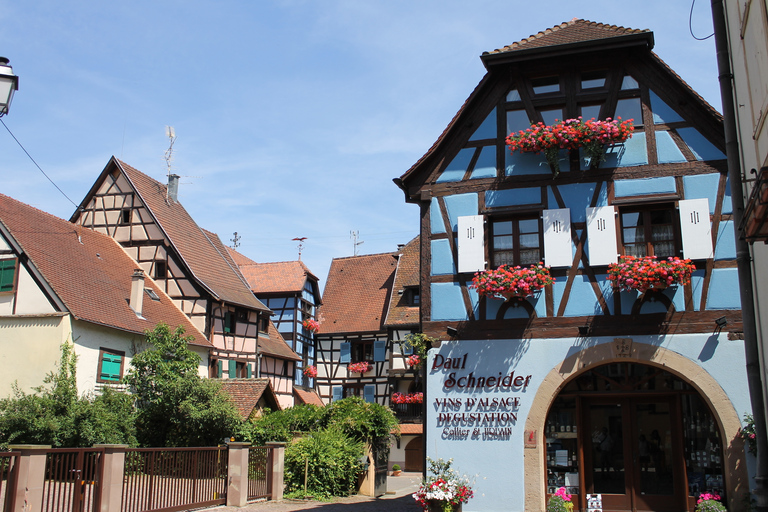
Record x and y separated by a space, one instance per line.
332 462
281 425
395 467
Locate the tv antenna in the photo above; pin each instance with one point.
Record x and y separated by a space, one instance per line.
354 236
235 240
171 134
300 239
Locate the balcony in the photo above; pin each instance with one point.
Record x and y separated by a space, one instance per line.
408 412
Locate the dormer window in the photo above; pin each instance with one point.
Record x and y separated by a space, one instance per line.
411 296
152 294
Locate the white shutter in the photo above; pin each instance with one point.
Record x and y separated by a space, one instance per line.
601 235
695 228
471 238
557 238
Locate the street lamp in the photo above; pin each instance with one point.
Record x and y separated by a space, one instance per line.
9 83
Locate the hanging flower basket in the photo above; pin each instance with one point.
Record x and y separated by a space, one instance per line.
414 361
311 325
407 398
592 136
646 273
512 282
310 371
361 367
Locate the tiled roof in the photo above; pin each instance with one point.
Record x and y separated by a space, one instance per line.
357 293
570 32
204 255
246 394
411 428
89 272
276 346
307 396
400 312
279 277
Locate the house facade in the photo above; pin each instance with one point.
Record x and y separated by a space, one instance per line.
193 267
370 305
62 283
631 396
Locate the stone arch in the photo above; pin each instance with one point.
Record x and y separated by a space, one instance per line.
734 465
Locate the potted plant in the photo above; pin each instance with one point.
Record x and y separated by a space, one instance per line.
511 282
747 433
645 273
396 470
560 502
310 371
361 367
311 325
592 136
443 490
709 503
420 343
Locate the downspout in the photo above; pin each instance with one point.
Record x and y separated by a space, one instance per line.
743 257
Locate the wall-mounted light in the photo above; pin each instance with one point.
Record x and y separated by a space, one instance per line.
721 322
9 83
583 330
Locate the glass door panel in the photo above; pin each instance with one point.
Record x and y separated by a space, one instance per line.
604 452
656 486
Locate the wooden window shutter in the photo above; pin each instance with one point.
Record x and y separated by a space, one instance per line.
471 241
369 393
338 393
345 352
601 235
7 274
110 367
695 228
219 368
379 350
557 238
248 370
228 321
232 369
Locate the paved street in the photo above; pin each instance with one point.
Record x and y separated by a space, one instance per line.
398 498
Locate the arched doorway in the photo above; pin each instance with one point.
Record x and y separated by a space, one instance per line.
414 455
637 435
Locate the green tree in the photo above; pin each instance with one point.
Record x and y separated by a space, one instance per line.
174 406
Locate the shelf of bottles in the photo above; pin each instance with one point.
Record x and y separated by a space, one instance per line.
703 448
562 447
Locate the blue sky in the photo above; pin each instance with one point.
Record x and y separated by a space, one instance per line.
292 116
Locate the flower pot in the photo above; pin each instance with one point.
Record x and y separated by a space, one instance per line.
397 473
439 506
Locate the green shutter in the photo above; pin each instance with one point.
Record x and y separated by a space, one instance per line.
228 321
7 274
219 368
248 368
232 369
110 367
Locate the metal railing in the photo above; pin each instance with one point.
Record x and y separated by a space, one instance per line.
260 473
407 412
71 481
173 479
8 461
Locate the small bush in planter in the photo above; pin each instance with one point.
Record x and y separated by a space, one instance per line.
396 467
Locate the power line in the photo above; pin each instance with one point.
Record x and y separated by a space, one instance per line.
36 165
690 25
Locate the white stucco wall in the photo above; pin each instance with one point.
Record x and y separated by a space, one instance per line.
498 463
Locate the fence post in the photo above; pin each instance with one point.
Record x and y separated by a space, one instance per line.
237 474
278 467
112 474
30 477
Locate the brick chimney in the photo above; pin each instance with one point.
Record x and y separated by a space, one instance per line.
137 291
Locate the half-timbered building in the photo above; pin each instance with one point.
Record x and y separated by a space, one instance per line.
632 398
61 283
191 265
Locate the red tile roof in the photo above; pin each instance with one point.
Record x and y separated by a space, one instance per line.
275 345
307 396
357 293
570 32
205 255
279 277
400 312
411 428
90 273
246 393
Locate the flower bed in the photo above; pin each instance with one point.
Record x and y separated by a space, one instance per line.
512 282
361 367
590 135
407 398
311 325
310 371
644 273
709 503
560 502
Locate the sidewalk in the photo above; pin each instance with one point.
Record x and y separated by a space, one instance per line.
398 498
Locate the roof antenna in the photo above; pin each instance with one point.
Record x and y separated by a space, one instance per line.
301 244
172 190
236 240
354 236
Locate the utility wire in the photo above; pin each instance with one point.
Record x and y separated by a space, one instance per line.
690 25
36 165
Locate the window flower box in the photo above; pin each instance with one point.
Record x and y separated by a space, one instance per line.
414 361
511 282
647 273
361 367
592 136
407 398
311 325
310 371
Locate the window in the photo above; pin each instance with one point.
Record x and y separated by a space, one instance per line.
161 269
649 231
125 216
594 80
7 275
546 85
110 365
515 241
362 351
411 296
242 315
229 322
263 323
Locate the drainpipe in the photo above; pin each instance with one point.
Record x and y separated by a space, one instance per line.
743 257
